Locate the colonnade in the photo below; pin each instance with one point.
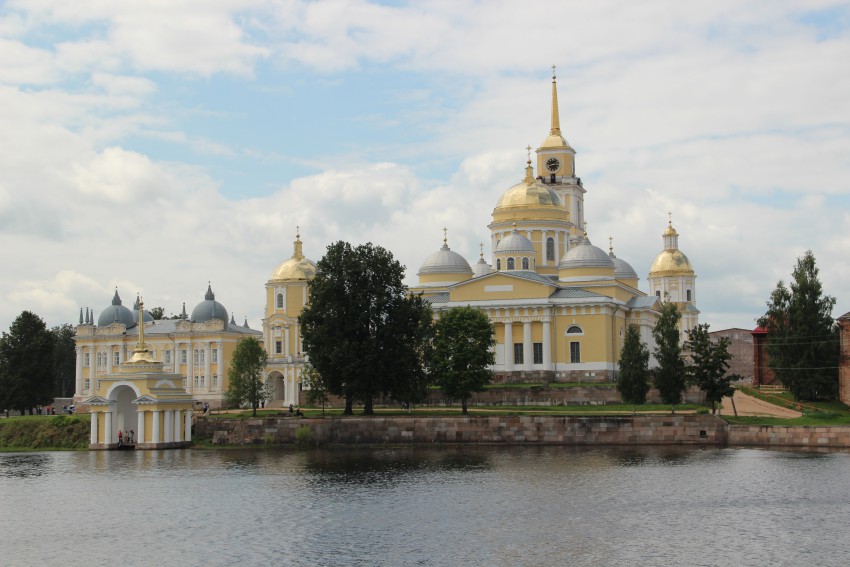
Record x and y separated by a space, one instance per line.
167 426
528 345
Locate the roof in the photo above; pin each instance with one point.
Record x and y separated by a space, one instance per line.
575 293
642 302
442 297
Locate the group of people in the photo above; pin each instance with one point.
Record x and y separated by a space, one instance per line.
295 412
131 438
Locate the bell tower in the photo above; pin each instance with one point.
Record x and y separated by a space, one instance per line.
556 165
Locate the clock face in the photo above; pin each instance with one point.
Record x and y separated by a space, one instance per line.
553 164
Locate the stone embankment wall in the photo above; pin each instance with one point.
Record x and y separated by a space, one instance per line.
778 436
533 396
558 430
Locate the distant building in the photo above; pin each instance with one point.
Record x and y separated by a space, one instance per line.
762 374
844 360
741 349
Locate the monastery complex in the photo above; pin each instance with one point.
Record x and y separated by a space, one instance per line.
559 304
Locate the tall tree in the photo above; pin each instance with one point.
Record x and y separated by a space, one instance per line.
360 327
802 336
157 313
669 378
246 374
64 360
633 378
709 365
26 364
315 389
463 353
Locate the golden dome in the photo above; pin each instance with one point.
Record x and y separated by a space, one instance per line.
296 268
671 262
529 193
554 141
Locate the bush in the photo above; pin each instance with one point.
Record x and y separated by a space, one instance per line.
702 411
302 435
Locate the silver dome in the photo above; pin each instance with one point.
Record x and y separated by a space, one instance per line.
147 314
444 261
208 309
515 243
116 313
585 255
622 269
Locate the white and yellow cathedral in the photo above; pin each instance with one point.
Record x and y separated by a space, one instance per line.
559 304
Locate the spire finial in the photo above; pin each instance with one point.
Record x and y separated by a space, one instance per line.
298 250
529 171
669 218
445 236
610 244
556 121
481 247
554 75
297 232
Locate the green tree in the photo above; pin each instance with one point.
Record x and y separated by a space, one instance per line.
463 352
157 313
360 327
64 360
633 378
802 336
669 378
709 365
26 364
246 374
315 390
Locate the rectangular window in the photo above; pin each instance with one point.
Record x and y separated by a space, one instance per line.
196 357
689 295
168 357
214 356
575 352
116 358
538 353
203 381
215 381
278 347
86 384
518 358
185 382
183 356
86 360
196 381
658 293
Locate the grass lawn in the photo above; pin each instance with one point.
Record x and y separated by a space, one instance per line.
551 385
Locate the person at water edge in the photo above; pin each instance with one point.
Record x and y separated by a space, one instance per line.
291 409
130 435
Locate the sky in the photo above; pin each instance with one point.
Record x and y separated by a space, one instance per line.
157 146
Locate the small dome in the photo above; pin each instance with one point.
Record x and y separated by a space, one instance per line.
444 261
295 268
209 309
116 313
585 255
147 314
622 269
515 243
671 262
555 141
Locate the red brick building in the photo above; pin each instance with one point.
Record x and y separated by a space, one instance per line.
844 360
761 373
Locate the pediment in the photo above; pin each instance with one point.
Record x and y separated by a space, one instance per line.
502 285
144 400
97 401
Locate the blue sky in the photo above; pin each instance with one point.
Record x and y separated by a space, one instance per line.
157 146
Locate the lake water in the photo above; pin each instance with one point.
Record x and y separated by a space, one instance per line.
426 506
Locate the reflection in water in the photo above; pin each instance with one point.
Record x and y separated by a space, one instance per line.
474 505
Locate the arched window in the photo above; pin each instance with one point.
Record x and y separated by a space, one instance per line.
525 263
498 264
550 249
575 330
689 295
280 301
510 263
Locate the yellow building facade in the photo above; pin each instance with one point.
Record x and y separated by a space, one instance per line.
196 347
559 304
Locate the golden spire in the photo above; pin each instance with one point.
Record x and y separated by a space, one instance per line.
556 122
141 345
298 253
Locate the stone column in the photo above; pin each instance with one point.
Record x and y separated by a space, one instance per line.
188 425
527 349
178 429
547 343
93 434
286 349
169 426
509 346
140 426
79 372
220 368
107 428
155 427
190 367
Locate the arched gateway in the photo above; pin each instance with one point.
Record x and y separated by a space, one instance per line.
141 398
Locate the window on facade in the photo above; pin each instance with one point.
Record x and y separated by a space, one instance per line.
87 384
689 295
86 360
203 381
183 356
214 357
525 263
168 357
196 381
278 347
215 380
199 357
184 382
518 358
280 301
116 358
658 293
498 264
538 353
510 264
550 249
575 330
575 352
